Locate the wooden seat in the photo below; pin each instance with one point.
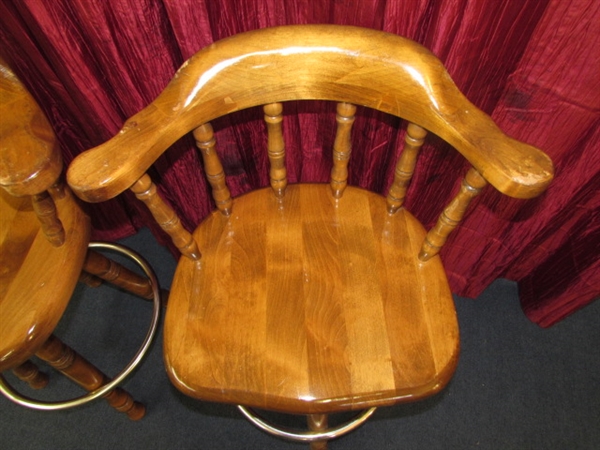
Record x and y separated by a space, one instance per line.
298 283
311 298
44 236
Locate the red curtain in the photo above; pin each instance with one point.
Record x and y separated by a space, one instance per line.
532 64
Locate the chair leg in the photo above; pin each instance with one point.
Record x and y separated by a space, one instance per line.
113 272
74 366
30 373
89 279
317 422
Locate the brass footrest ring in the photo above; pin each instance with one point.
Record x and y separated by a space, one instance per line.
14 396
307 436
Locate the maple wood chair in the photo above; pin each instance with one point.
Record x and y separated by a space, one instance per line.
44 237
310 298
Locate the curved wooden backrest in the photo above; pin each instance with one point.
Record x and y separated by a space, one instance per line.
42 242
30 160
327 62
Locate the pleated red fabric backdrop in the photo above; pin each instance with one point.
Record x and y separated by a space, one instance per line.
532 64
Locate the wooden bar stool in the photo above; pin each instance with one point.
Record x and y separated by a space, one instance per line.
44 237
311 298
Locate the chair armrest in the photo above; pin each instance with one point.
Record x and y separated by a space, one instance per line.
30 161
328 62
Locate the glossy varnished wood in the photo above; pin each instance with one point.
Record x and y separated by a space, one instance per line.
317 422
44 236
78 369
45 209
355 65
108 270
415 136
342 148
145 190
31 374
310 304
449 219
276 147
30 161
37 277
205 141
311 298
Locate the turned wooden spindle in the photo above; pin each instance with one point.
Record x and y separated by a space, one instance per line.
470 187
102 267
45 209
342 148
317 422
276 148
30 373
164 215
58 190
74 366
89 279
205 141
415 136
290 309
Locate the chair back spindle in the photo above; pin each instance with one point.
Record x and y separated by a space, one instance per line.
415 136
164 215
44 240
45 210
342 147
276 148
205 141
58 190
452 215
294 307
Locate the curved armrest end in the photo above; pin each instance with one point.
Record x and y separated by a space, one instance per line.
530 170
514 168
102 173
326 62
105 171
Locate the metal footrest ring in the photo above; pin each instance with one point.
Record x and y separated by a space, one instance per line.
14 396
306 436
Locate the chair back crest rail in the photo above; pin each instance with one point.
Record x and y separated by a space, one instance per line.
352 66
30 160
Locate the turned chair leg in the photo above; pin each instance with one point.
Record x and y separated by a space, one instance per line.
30 373
113 272
317 422
97 266
74 366
89 279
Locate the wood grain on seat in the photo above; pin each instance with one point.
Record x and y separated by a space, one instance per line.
310 304
308 298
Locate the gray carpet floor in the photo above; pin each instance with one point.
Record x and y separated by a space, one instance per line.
517 386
